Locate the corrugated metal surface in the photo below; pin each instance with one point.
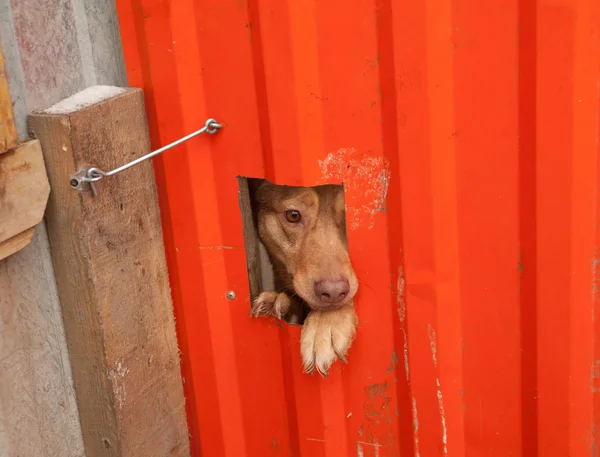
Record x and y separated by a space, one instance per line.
467 135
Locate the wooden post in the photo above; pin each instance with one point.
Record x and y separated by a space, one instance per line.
112 280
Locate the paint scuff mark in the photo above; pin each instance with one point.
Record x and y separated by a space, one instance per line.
402 316
360 451
443 416
377 390
595 376
594 443
117 375
367 179
520 269
393 361
406 366
433 346
219 247
401 301
595 283
315 439
371 64
378 410
415 417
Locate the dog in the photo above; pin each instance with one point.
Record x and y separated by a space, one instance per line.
303 229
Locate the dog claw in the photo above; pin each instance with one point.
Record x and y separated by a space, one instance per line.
327 337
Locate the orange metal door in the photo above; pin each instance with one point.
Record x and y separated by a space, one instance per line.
466 134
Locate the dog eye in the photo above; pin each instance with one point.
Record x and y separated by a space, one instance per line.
293 216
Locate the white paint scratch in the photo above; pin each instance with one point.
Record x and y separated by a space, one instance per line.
433 345
359 449
315 439
415 417
443 417
361 452
369 444
402 316
401 301
406 366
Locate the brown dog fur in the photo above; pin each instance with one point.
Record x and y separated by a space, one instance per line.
314 278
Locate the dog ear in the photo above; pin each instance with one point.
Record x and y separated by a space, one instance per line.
263 191
258 184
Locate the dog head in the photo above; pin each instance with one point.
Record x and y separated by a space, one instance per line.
304 232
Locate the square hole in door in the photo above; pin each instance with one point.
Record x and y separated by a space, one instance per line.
262 275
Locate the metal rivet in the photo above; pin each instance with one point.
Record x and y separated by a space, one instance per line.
230 295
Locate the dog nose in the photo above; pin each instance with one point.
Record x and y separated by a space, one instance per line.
332 291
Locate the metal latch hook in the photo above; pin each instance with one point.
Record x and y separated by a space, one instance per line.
85 178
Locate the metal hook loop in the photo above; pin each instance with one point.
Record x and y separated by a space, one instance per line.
85 178
212 126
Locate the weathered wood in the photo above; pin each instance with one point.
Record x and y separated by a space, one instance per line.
250 238
24 190
16 243
112 280
39 416
8 131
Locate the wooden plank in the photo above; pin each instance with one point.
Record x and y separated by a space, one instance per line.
24 190
250 238
16 243
8 131
113 284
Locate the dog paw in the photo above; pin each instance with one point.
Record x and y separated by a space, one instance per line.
327 336
271 304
